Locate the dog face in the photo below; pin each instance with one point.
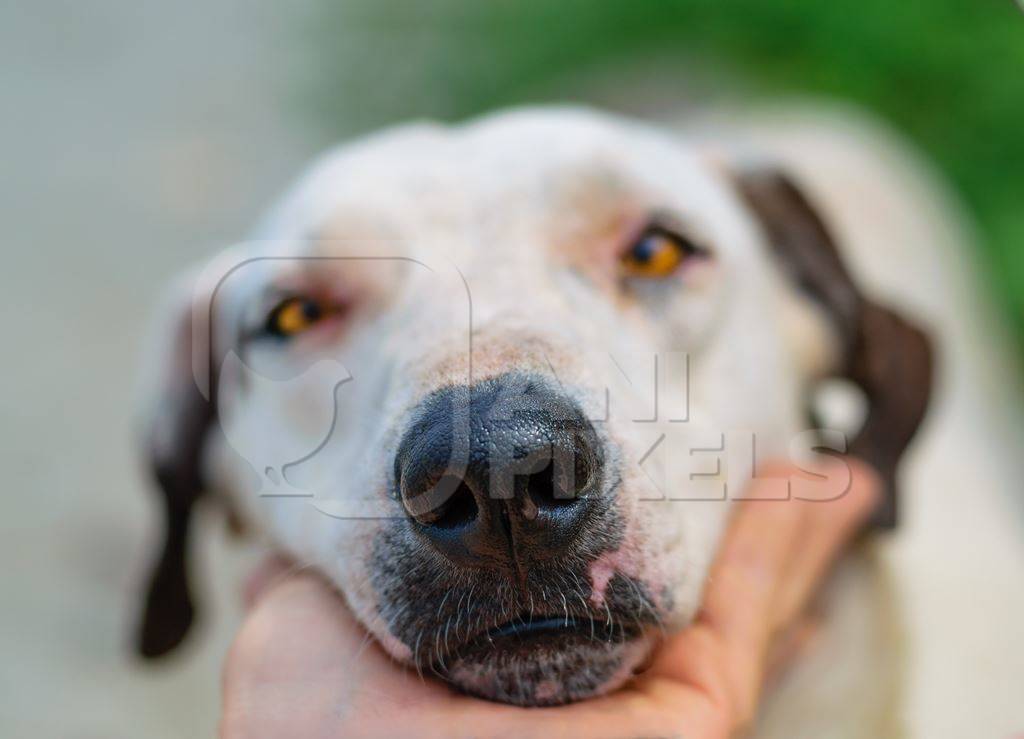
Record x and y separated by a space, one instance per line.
496 382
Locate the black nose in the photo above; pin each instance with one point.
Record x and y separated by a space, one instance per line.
500 473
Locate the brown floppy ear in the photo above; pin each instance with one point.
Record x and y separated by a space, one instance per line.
888 357
176 428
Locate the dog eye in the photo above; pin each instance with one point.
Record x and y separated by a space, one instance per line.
293 316
657 253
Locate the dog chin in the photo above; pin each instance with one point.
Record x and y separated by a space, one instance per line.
545 671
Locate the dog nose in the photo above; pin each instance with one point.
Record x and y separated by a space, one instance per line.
504 471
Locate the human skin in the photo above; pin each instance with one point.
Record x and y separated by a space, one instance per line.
301 664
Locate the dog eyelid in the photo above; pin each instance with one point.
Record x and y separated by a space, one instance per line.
289 315
658 249
294 315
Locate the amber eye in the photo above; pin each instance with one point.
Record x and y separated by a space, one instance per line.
293 316
657 253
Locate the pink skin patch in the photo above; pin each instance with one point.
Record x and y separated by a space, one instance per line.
623 561
601 573
604 568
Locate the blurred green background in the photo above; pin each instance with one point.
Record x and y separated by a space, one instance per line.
949 74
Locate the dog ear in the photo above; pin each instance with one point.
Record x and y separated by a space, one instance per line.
887 356
176 426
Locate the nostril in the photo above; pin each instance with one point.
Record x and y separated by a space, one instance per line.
551 488
545 491
458 509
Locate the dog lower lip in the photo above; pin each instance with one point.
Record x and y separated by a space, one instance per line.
536 659
535 635
534 626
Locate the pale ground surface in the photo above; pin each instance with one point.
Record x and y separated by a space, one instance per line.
135 138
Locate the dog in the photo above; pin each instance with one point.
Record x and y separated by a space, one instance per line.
500 383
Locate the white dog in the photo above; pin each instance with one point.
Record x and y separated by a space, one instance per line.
500 381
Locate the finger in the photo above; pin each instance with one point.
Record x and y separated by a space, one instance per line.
724 651
776 552
828 525
741 609
753 557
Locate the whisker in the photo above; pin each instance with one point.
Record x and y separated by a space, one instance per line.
438 657
416 657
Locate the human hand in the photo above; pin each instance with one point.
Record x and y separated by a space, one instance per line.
303 666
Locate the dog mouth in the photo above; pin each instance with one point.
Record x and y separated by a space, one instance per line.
533 632
538 660
570 631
